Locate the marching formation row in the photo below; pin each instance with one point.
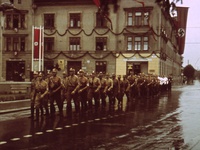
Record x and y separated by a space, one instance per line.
84 90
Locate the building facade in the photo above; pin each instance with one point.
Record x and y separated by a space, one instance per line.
130 36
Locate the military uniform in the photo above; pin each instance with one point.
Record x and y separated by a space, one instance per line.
32 93
41 89
93 90
126 87
120 93
71 93
109 90
82 88
55 93
103 90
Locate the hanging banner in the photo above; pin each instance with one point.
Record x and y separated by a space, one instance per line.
37 49
182 13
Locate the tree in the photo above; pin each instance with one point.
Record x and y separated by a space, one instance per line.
189 72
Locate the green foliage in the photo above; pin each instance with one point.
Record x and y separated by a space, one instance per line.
189 71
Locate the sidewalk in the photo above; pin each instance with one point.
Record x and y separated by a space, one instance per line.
13 106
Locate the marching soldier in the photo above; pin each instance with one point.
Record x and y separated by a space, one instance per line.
93 91
126 87
115 89
71 91
109 89
120 93
132 80
55 93
32 94
82 90
41 89
103 90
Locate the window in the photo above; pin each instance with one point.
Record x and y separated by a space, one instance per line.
49 21
130 18
146 43
15 43
15 21
74 43
48 44
100 20
139 43
19 1
101 43
138 17
130 43
75 19
101 66
146 18
8 44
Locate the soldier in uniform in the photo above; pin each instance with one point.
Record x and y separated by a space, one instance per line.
120 93
109 90
103 90
82 90
55 93
132 80
93 90
71 91
41 89
126 87
32 94
115 90
63 89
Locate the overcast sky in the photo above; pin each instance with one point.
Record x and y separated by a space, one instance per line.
192 46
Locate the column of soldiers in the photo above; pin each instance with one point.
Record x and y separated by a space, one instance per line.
87 92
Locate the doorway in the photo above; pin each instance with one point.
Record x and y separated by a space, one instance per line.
15 70
77 65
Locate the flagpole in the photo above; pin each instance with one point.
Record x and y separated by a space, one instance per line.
32 48
40 49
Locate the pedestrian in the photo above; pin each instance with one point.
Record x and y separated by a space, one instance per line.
55 93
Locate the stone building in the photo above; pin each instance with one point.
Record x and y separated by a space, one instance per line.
125 35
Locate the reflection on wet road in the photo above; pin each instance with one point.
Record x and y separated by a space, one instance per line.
168 121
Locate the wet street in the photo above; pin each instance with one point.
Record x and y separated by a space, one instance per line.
167 122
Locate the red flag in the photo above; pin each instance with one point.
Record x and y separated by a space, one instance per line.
97 2
181 27
36 43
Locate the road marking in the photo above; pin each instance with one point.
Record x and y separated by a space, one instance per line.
2 142
90 120
48 131
97 119
67 126
59 128
39 133
83 122
75 124
27 136
15 139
